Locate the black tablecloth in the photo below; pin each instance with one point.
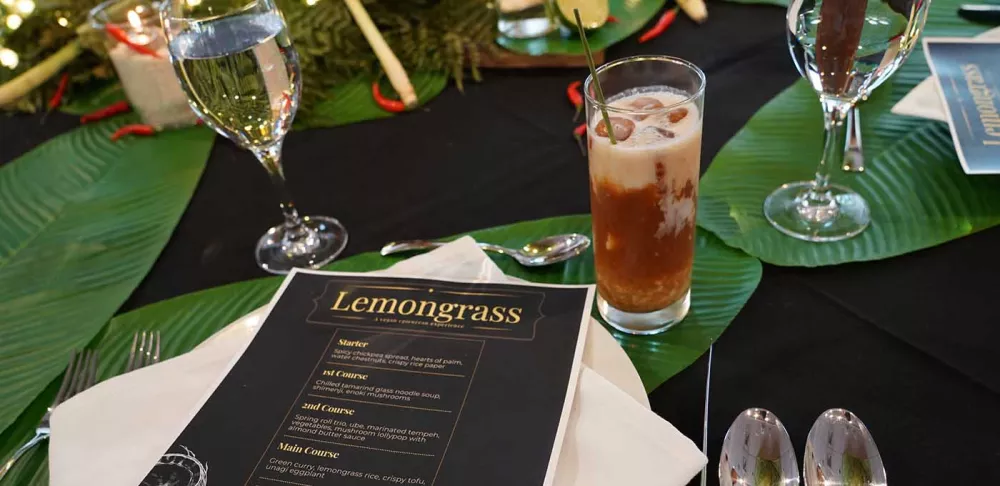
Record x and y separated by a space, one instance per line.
909 344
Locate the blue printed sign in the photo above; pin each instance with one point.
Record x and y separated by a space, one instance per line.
968 76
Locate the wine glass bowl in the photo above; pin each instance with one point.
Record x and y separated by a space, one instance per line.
844 49
236 63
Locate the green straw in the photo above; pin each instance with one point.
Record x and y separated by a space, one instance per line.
593 74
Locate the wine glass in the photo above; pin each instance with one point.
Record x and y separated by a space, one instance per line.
844 48
236 63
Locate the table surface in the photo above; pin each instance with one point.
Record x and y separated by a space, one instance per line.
908 344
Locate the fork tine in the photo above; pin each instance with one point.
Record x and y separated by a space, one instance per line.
67 378
141 353
156 356
149 351
78 375
131 354
85 372
144 349
91 373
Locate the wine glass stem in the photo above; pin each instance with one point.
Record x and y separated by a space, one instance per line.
270 158
817 204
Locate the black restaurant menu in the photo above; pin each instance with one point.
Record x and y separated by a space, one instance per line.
376 381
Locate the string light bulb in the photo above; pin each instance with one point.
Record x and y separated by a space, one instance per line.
14 21
25 6
8 58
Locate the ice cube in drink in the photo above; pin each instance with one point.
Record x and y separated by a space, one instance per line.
643 195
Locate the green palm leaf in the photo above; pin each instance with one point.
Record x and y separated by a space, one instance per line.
82 219
352 102
918 193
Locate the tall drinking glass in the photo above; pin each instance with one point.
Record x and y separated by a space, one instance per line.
236 63
844 48
644 189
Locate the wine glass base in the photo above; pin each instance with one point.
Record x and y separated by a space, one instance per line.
845 219
277 253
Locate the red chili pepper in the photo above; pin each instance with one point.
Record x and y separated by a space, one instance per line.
573 93
57 97
612 19
121 36
392 106
136 129
113 109
661 25
578 133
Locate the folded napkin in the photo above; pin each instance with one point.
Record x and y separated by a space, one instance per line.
924 101
117 430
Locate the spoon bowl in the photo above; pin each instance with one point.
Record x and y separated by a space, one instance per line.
841 451
552 249
539 253
757 451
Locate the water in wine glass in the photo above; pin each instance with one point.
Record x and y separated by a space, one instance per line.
236 63
845 47
241 76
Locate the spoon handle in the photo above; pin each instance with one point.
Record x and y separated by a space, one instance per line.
854 157
410 245
421 245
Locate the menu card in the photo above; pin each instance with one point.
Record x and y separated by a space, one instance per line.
371 381
968 77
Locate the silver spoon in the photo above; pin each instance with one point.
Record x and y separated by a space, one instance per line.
854 156
546 251
841 451
758 452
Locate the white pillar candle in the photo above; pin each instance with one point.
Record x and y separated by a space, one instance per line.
149 82
151 87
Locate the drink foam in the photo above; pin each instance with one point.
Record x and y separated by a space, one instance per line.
632 163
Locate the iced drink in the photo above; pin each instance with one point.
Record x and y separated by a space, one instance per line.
643 196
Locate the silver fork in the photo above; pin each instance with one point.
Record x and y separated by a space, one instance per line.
80 375
145 350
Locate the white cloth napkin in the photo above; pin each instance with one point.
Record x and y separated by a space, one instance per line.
924 101
117 430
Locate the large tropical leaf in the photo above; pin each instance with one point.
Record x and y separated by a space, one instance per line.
631 17
352 102
82 219
918 193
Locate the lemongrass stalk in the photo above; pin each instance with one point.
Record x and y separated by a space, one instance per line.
695 9
27 81
390 63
